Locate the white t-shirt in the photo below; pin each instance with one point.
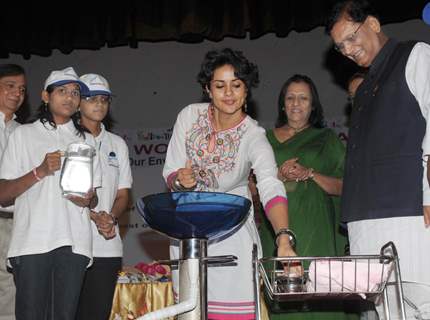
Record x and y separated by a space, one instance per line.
417 75
43 219
115 167
5 131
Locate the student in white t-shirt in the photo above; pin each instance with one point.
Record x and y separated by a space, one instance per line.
51 243
99 284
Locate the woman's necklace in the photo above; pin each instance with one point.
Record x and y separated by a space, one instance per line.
297 130
231 124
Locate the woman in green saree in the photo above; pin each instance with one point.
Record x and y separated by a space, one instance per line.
310 160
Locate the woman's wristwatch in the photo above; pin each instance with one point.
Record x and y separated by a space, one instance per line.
291 235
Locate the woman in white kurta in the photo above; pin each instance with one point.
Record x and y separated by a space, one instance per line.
99 284
51 242
213 148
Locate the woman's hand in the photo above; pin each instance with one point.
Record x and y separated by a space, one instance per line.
293 171
285 250
285 172
50 164
186 177
105 223
300 172
82 201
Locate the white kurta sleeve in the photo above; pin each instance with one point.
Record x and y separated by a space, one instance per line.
264 165
10 167
418 79
176 155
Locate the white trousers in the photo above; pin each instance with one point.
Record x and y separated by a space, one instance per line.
412 241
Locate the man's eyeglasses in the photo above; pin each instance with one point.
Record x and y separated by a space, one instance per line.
12 87
63 92
350 40
99 99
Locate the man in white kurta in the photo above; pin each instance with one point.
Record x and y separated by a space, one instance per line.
12 94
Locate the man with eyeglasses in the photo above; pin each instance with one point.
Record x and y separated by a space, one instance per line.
12 95
382 198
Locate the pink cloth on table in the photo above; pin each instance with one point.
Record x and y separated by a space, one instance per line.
358 276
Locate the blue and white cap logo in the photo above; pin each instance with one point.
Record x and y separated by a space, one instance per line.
96 84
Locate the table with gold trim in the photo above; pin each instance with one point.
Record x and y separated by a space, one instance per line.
140 298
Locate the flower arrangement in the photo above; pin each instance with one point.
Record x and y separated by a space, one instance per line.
143 272
153 269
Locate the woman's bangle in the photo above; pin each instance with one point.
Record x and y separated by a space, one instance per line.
35 174
177 186
291 235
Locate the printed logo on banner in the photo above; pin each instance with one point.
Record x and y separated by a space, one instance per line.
147 147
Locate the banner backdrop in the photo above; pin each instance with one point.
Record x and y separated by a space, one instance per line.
147 149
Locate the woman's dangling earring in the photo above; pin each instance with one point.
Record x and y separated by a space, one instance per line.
45 106
207 92
246 107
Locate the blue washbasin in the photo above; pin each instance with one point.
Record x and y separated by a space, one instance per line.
202 215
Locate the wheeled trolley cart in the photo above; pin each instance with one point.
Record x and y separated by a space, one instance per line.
345 277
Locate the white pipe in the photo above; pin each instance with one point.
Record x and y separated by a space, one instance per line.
191 271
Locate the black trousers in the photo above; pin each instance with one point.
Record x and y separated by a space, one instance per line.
97 292
48 284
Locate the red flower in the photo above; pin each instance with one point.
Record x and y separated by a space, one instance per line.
160 269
